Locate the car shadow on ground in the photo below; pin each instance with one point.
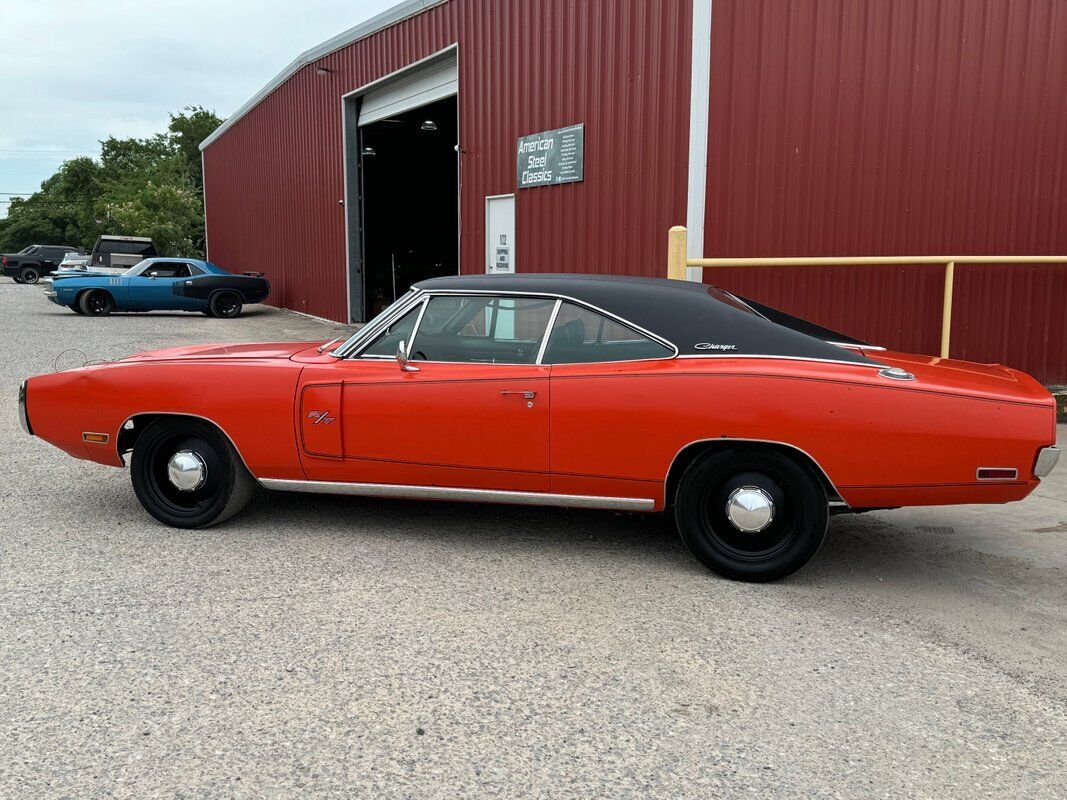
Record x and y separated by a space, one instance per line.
55 311
857 550
642 536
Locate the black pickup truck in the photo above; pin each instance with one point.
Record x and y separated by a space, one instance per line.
29 264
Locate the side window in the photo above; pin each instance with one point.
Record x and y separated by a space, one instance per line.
168 269
482 329
389 340
581 336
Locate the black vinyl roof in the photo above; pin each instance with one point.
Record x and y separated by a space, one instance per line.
685 313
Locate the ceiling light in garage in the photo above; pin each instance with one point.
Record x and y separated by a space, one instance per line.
428 125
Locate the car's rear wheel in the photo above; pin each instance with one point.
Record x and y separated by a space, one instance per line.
187 474
30 275
226 305
96 303
751 515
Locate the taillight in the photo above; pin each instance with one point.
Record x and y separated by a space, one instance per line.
3 260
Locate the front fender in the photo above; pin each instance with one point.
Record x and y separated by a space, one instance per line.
251 402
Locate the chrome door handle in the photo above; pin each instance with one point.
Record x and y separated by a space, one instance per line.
527 393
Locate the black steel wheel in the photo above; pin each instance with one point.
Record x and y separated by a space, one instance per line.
751 515
226 305
96 303
187 474
30 275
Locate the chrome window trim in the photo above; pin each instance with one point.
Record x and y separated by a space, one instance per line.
548 332
418 322
460 494
850 346
550 295
785 358
362 337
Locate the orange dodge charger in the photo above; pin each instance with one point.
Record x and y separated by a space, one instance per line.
633 394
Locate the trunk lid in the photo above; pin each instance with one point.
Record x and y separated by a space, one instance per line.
965 377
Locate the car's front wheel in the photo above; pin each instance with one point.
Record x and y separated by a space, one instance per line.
751 515
30 275
225 305
96 303
187 474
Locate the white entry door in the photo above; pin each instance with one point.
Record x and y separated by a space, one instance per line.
500 234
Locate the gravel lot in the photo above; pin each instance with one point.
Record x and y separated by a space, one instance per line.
341 647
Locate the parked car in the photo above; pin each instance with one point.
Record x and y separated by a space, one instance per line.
78 261
587 391
79 266
160 284
31 263
122 251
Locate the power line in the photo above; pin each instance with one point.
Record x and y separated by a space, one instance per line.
48 152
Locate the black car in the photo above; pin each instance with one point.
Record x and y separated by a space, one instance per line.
29 264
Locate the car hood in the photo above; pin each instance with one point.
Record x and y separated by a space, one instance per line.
68 272
950 375
212 352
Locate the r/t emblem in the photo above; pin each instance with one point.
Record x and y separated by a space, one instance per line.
320 416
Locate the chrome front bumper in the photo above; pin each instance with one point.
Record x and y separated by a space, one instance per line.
23 417
1047 458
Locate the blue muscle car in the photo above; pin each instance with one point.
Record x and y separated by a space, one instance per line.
159 284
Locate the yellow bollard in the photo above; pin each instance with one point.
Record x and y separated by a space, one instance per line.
676 252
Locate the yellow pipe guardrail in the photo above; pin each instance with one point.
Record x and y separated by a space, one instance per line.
678 262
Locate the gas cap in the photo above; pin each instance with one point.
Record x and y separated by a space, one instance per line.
896 374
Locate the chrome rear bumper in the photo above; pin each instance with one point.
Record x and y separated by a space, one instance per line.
1047 458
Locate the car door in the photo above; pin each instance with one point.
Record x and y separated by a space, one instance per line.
610 386
153 287
470 411
50 258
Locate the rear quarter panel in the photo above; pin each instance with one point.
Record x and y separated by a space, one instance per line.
251 401
879 442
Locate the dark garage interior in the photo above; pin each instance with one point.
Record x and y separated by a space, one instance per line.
410 200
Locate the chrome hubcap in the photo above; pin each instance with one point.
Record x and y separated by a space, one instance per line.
749 509
186 470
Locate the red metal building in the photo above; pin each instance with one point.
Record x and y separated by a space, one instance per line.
768 127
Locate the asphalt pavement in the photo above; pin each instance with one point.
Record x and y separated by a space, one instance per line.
322 646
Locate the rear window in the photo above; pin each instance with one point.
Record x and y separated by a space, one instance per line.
125 248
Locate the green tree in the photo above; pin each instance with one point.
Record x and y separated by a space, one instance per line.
138 187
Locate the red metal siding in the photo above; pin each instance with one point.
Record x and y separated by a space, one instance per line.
619 66
274 179
886 128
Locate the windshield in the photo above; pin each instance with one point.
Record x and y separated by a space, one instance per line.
372 326
136 268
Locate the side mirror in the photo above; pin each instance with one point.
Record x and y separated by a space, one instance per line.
402 358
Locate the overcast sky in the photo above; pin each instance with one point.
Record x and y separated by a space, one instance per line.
76 71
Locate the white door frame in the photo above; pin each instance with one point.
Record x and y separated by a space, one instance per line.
488 244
